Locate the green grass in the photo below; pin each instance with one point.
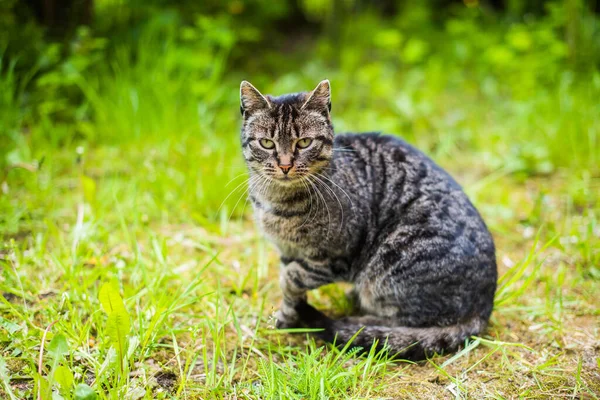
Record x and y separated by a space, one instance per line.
143 189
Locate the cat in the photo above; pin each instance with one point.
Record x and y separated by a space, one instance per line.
371 210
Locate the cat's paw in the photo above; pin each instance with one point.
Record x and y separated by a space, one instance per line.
286 320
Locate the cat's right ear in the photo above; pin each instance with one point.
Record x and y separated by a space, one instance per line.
320 98
251 99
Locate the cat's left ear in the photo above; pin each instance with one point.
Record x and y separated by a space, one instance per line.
320 98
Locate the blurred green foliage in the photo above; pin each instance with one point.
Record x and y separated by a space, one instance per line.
515 88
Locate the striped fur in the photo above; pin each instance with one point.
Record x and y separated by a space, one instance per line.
371 210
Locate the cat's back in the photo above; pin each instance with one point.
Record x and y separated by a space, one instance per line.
389 161
398 187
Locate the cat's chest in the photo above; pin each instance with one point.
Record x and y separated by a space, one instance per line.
303 233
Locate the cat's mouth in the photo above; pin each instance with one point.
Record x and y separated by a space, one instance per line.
286 180
295 176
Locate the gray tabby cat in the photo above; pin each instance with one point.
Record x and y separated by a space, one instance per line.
371 210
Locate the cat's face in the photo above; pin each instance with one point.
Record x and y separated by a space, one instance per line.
287 138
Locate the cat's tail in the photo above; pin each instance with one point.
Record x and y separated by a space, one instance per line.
402 342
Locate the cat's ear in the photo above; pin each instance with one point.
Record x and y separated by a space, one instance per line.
251 99
320 98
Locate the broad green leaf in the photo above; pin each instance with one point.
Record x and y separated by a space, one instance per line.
118 324
111 299
43 386
117 327
64 377
58 346
84 392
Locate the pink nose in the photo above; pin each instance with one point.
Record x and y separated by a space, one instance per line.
285 168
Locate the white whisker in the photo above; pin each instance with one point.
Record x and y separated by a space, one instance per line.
233 191
233 179
339 187
315 186
250 184
263 184
336 198
310 205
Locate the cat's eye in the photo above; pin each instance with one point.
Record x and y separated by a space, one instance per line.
266 143
304 143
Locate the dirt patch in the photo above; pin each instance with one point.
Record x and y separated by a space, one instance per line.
166 380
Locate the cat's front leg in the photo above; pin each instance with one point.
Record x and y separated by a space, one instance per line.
297 277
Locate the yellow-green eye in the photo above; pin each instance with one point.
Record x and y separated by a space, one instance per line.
267 144
304 143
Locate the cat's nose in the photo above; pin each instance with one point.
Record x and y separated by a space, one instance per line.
285 168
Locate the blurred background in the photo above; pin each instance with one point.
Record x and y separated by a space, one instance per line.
107 98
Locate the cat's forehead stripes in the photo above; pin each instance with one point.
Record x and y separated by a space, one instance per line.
285 127
285 120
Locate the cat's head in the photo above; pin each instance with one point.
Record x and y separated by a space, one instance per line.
288 137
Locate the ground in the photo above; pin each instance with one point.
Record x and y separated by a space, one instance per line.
201 297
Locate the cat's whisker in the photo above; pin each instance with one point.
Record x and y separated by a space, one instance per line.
341 224
336 185
262 190
257 186
234 178
316 210
330 190
263 182
311 185
232 192
246 201
302 179
316 187
306 218
248 181
242 195
339 187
